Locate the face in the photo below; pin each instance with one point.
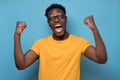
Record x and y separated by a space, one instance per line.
57 21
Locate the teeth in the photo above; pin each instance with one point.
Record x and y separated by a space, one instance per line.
57 25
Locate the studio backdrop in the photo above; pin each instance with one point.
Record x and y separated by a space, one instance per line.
107 17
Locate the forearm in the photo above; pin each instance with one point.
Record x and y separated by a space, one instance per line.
18 54
100 47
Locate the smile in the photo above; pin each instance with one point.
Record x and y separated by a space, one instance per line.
58 28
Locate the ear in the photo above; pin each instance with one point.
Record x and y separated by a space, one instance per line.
66 18
48 23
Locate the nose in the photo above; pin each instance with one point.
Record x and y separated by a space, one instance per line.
56 19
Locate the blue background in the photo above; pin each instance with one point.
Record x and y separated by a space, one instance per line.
105 12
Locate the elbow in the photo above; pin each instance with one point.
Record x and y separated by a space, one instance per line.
102 61
20 67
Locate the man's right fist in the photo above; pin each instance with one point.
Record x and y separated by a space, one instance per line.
20 26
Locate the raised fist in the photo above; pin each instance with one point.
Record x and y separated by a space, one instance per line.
89 21
20 26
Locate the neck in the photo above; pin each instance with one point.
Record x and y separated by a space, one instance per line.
63 37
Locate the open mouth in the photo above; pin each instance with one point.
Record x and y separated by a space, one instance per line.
58 28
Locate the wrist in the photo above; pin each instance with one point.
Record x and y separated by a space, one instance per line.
94 29
16 35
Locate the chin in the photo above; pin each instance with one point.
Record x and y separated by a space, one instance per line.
60 34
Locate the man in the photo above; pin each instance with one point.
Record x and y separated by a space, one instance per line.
59 53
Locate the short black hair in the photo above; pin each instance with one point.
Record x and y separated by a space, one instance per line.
54 5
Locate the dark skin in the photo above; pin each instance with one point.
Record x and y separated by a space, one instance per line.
97 54
63 34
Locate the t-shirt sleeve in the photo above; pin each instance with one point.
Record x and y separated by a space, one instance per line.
35 47
86 44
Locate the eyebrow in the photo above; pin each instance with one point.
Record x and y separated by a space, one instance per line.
55 15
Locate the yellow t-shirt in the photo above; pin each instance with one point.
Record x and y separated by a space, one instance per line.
60 60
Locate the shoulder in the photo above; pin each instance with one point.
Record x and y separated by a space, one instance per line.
72 36
78 37
42 39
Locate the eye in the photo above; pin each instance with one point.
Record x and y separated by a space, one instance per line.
61 16
53 18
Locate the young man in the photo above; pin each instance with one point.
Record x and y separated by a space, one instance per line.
59 53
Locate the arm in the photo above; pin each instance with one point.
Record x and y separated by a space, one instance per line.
22 61
98 53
